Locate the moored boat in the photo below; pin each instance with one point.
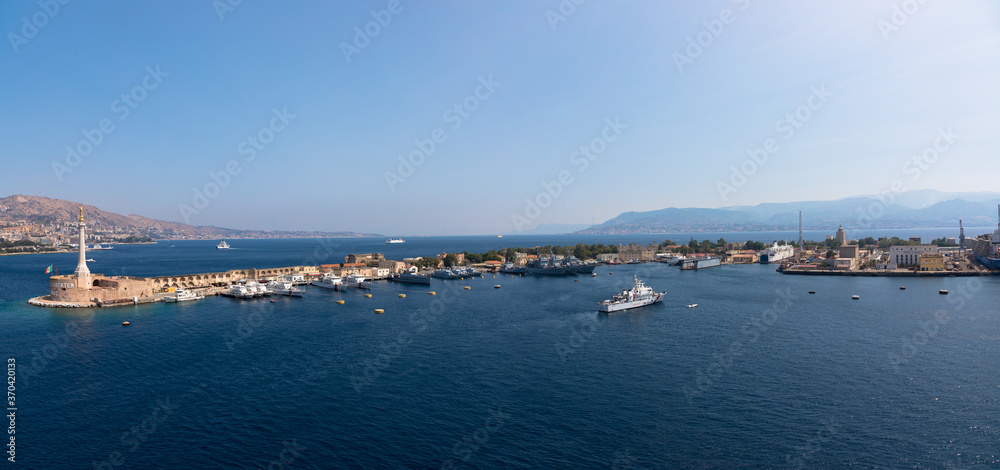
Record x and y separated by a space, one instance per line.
181 295
329 281
410 278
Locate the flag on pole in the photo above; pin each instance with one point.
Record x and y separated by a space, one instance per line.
48 270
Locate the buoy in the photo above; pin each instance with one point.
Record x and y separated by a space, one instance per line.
368 296
125 323
272 301
378 310
812 292
855 297
402 296
432 293
467 288
340 302
943 291
496 286
902 287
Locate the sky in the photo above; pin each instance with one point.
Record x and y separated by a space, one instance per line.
437 118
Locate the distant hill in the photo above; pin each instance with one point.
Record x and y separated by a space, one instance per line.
37 210
907 210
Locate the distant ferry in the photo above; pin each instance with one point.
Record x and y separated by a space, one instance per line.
222 245
776 253
639 296
394 240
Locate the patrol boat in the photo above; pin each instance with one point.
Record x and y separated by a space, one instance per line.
639 296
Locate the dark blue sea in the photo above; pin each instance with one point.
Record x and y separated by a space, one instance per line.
760 374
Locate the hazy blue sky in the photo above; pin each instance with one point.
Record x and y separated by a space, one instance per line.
892 74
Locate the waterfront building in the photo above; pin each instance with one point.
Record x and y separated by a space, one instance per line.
608 257
848 251
393 266
910 255
633 251
841 235
932 262
363 257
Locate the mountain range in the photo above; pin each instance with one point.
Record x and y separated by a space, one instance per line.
921 208
46 212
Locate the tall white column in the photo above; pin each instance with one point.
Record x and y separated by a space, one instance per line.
82 272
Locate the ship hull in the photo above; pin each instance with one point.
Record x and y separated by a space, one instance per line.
422 280
990 263
610 308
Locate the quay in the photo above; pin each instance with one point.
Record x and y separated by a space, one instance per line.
885 273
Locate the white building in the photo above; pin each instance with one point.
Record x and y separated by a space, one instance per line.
910 255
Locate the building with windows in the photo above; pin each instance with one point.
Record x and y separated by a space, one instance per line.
933 262
909 255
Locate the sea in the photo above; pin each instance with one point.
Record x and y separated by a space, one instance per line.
503 371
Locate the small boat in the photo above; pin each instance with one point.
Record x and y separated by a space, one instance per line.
855 297
222 245
902 287
98 247
812 292
496 286
692 305
258 289
943 291
125 323
445 274
91 260
392 241
182 295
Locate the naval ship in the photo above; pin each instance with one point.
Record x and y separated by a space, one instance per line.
986 248
638 296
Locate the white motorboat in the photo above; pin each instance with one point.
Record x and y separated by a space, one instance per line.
181 295
284 288
222 245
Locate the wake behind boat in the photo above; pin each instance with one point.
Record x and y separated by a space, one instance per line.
639 296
